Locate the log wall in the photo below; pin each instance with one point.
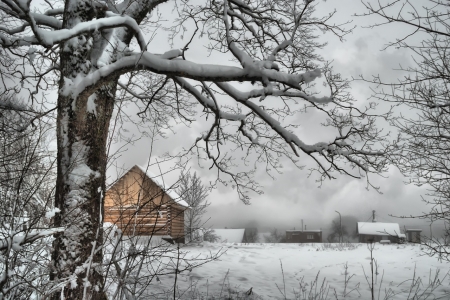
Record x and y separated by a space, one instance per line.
138 206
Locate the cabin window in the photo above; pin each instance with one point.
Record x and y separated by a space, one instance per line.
310 236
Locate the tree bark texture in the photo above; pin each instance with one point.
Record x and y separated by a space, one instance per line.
82 131
82 136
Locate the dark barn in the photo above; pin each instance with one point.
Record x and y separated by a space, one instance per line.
303 236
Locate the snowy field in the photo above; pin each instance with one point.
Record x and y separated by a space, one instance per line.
402 272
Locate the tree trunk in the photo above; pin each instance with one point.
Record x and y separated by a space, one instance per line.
82 131
82 137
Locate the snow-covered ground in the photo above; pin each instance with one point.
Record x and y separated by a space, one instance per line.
258 267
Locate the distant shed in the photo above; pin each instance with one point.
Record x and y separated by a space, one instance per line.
139 203
413 235
303 236
371 232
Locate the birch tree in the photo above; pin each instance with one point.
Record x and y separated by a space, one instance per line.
422 99
89 52
191 190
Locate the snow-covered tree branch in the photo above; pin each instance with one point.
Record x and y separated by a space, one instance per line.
91 52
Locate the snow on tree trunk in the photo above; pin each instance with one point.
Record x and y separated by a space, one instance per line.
82 130
80 187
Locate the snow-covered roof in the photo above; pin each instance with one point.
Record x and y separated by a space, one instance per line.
375 228
158 179
230 235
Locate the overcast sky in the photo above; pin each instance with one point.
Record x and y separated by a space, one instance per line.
292 196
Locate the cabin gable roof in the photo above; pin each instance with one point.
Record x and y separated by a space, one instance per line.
157 180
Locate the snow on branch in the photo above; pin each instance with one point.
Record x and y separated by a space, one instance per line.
183 68
49 38
39 19
288 136
207 102
54 12
46 20
17 241
283 45
292 139
243 96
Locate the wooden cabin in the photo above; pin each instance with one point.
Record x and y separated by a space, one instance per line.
140 204
303 236
372 232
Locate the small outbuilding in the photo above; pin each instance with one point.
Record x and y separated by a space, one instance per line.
371 232
140 204
303 236
413 235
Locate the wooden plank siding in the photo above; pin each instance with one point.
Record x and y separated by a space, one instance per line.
303 236
176 221
139 206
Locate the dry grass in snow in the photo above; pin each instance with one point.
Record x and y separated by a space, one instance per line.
308 271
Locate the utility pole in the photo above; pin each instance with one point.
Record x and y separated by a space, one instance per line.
340 227
373 217
431 230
